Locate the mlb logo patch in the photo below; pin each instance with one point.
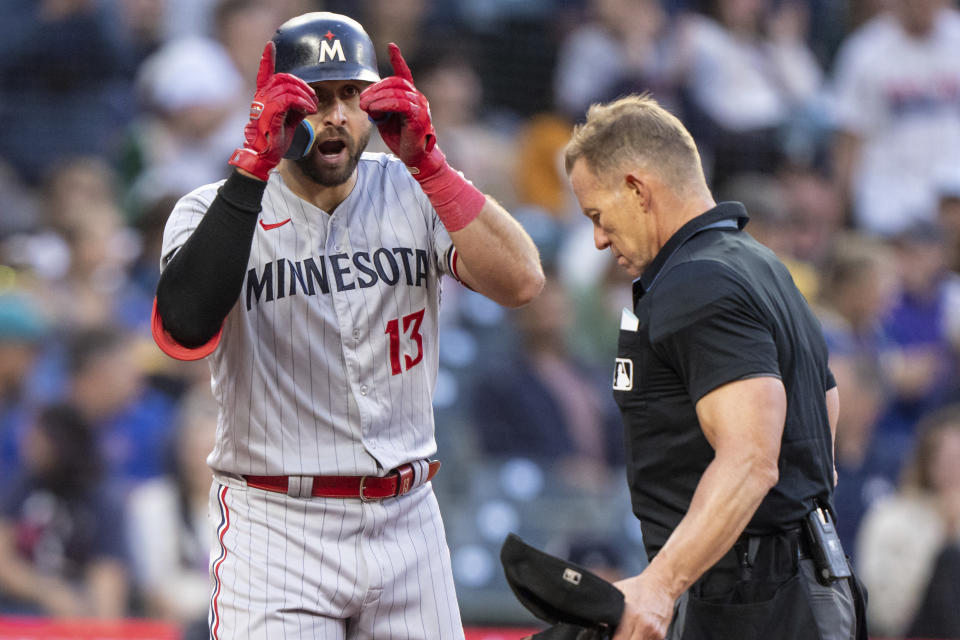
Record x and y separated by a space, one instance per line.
623 375
256 108
572 576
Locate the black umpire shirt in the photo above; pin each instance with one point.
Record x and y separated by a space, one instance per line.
713 307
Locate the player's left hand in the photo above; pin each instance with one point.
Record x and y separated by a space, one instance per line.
402 114
648 609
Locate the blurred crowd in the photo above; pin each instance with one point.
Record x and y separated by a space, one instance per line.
836 122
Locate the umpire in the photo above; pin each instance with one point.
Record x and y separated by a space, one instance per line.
728 405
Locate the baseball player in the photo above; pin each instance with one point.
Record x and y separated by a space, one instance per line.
312 285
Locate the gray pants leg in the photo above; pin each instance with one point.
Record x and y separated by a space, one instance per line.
832 606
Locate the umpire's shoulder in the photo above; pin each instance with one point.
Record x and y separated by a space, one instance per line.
691 291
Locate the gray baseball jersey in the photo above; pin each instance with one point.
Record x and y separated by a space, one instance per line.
326 364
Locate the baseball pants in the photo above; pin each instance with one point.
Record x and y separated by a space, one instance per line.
329 568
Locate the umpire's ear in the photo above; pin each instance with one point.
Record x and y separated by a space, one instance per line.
556 590
639 187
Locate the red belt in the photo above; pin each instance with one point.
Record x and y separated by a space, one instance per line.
396 483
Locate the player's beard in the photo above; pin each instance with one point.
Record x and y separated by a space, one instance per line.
328 176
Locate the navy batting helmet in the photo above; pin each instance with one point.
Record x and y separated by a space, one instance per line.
325 46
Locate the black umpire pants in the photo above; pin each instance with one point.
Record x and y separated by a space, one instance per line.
765 588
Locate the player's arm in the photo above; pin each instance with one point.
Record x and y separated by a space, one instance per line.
496 256
743 421
202 281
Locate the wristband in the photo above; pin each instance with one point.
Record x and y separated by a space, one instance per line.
455 200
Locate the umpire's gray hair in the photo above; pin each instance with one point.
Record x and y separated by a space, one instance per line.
636 128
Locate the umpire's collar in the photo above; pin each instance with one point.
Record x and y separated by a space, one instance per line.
734 212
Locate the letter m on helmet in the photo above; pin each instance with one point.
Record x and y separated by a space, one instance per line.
335 51
322 46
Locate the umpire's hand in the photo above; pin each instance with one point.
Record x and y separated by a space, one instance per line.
648 610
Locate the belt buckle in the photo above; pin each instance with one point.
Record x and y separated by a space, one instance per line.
363 482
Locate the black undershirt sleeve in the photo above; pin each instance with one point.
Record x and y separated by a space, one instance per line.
203 280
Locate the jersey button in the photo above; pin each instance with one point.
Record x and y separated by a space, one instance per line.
356 334
363 389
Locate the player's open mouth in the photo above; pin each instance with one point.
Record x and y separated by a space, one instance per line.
332 150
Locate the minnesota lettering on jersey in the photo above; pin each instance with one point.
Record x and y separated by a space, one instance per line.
285 277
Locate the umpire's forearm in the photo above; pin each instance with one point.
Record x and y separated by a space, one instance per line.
743 421
729 493
201 284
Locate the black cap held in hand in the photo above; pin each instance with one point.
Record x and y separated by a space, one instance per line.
556 590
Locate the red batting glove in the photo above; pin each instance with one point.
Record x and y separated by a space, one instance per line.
278 106
402 114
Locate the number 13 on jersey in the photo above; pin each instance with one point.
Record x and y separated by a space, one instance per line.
410 332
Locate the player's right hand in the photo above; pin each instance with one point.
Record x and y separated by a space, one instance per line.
280 103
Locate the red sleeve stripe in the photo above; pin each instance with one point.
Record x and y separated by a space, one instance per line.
454 257
173 348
